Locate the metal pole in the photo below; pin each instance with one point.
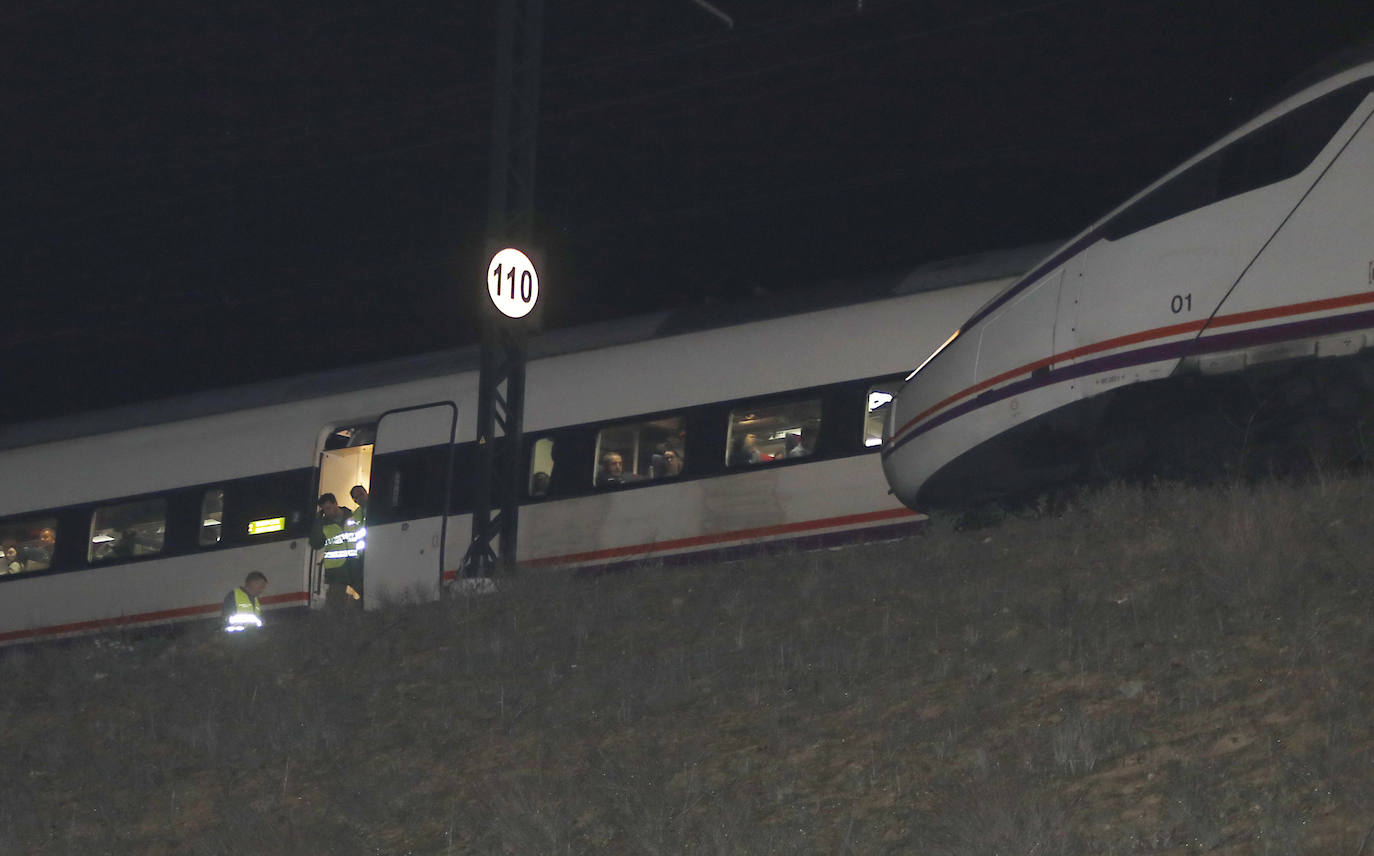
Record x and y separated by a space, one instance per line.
501 387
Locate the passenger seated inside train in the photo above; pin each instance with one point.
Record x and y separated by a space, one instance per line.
612 470
761 433
746 451
669 464
12 563
36 555
539 484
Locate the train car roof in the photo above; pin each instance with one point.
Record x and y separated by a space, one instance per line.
762 306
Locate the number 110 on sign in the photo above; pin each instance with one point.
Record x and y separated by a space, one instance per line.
512 283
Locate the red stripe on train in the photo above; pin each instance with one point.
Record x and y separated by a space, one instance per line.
636 550
1145 336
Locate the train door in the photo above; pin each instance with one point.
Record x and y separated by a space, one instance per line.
1021 333
345 462
1067 336
408 512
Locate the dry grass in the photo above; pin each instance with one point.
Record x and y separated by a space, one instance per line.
1146 671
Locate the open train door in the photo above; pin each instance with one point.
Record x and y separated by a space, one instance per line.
407 514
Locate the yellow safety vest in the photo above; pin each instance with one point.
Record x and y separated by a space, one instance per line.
249 614
341 542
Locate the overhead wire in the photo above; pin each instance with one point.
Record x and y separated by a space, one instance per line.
354 118
358 117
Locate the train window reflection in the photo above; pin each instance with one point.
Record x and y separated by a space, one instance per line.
759 434
212 517
638 451
27 544
541 466
127 530
876 404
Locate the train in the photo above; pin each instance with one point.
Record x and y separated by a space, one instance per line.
733 427
1217 324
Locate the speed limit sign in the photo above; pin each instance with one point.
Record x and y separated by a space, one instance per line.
512 283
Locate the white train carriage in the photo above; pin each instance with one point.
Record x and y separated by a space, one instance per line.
1235 276
730 436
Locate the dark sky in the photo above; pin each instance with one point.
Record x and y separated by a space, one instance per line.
197 195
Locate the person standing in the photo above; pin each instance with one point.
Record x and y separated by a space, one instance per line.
355 567
336 532
359 495
242 610
672 462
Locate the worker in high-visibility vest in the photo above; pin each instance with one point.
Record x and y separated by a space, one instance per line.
360 500
337 533
359 495
242 610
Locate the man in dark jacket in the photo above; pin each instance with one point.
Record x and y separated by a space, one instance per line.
336 532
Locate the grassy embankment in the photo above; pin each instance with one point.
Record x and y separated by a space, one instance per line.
1147 672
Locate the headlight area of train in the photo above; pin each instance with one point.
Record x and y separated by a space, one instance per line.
1217 323
663 439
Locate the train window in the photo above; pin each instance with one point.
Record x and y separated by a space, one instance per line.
408 485
541 466
1190 190
876 405
638 451
267 507
759 434
1279 150
27 544
1284 147
127 530
212 517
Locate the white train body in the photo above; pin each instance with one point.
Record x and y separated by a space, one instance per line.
1258 251
148 515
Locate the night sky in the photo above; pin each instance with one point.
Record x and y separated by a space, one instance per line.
197 195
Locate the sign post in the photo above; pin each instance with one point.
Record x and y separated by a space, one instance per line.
513 287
